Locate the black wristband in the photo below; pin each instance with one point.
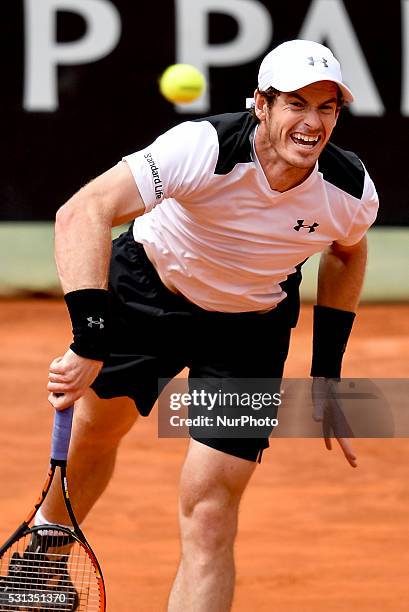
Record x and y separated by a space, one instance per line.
90 316
332 328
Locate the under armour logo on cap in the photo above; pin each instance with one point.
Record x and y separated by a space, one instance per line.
311 228
312 61
298 63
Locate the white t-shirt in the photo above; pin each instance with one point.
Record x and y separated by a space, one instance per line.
217 231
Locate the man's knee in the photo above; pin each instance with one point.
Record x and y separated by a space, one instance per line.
209 525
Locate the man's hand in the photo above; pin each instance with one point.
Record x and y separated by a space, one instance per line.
327 408
69 378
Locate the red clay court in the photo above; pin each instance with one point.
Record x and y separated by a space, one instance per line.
314 534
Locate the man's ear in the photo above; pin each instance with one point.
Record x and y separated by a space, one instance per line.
260 105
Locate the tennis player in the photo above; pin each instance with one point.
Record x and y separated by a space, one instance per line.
224 211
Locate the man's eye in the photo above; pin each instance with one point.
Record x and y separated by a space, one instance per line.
297 104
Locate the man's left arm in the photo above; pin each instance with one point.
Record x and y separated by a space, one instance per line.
340 280
341 275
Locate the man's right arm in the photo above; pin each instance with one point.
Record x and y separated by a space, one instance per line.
82 250
83 227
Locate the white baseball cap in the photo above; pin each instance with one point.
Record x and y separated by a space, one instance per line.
297 63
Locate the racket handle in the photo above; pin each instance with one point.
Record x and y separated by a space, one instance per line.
61 435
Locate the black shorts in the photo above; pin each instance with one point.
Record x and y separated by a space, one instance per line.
157 333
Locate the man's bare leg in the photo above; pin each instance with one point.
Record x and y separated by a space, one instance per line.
212 484
99 426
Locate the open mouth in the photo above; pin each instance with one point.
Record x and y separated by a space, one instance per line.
304 140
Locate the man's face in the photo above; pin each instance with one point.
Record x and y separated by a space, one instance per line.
298 125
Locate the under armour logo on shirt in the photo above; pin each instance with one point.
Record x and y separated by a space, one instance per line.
311 228
91 322
312 61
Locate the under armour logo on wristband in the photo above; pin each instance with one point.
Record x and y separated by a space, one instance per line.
312 61
311 228
91 322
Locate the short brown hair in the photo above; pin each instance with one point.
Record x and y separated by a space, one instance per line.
271 94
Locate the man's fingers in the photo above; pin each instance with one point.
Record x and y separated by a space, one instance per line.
56 367
318 411
57 378
328 409
62 401
339 423
59 387
327 426
346 449
348 452
69 378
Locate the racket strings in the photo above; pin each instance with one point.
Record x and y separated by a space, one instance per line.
36 575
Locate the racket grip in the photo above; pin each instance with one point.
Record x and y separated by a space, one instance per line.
61 435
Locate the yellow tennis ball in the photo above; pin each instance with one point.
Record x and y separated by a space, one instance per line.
182 83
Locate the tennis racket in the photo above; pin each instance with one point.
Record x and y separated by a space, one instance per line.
49 567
